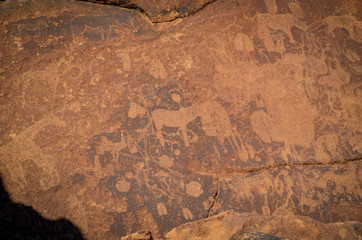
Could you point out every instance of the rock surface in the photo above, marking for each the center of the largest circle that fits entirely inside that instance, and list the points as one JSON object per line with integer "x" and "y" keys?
{"x": 252, "y": 226}
{"x": 160, "y": 10}
{"x": 121, "y": 124}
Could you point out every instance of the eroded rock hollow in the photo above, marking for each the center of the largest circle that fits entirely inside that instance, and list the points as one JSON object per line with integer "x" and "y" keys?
{"x": 227, "y": 119}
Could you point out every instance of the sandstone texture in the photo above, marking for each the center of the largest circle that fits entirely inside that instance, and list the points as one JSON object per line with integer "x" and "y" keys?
{"x": 159, "y": 11}
{"x": 239, "y": 226}
{"x": 154, "y": 116}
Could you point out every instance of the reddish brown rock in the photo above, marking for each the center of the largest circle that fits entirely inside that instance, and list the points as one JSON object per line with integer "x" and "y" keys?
{"x": 235, "y": 226}
{"x": 160, "y": 10}
{"x": 119, "y": 124}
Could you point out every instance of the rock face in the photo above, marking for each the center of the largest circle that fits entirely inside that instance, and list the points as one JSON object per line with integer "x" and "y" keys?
{"x": 159, "y": 10}
{"x": 122, "y": 120}
{"x": 251, "y": 226}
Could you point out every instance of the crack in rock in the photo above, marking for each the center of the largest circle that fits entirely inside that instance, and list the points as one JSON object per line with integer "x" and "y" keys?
{"x": 265, "y": 168}
{"x": 253, "y": 169}
{"x": 187, "y": 14}
{"x": 120, "y": 3}
{"x": 133, "y": 6}
{"x": 261, "y": 169}
{"x": 214, "y": 198}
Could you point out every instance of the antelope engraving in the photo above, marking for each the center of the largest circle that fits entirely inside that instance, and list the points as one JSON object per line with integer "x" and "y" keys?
{"x": 170, "y": 118}
{"x": 113, "y": 147}
{"x": 214, "y": 118}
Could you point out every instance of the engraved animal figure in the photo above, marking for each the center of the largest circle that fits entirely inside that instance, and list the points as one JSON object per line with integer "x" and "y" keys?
{"x": 170, "y": 118}
{"x": 23, "y": 150}
{"x": 113, "y": 147}
{"x": 215, "y": 121}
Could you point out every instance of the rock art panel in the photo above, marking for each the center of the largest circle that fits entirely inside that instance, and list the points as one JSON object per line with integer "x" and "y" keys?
{"x": 130, "y": 125}
{"x": 307, "y": 191}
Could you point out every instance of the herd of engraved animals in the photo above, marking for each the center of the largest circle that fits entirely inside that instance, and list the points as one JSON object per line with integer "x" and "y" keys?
{"x": 149, "y": 142}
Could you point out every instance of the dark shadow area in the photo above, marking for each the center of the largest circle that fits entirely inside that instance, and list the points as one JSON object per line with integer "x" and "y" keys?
{"x": 119, "y": 3}
{"x": 18, "y": 221}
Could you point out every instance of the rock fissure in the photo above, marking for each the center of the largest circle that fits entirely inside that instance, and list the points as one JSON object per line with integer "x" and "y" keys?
{"x": 187, "y": 15}
{"x": 120, "y": 3}
{"x": 265, "y": 168}
{"x": 214, "y": 197}
{"x": 129, "y": 5}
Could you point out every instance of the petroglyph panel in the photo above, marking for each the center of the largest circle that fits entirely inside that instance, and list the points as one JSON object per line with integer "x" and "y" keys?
{"x": 323, "y": 193}
{"x": 129, "y": 125}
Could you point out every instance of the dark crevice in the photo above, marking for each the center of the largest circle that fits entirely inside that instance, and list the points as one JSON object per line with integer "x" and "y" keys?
{"x": 126, "y": 4}
{"x": 120, "y": 3}
{"x": 187, "y": 14}
{"x": 265, "y": 168}
{"x": 137, "y": 8}
{"x": 213, "y": 198}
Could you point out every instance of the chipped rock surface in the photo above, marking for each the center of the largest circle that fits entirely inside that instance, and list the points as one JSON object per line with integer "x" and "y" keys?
{"x": 150, "y": 115}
